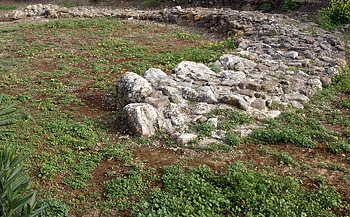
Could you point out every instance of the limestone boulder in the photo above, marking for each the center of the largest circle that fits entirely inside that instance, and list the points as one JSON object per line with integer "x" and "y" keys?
{"x": 143, "y": 119}
{"x": 155, "y": 76}
{"x": 190, "y": 71}
{"x": 237, "y": 63}
{"x": 186, "y": 138}
{"x": 17, "y": 14}
{"x": 132, "y": 88}
{"x": 234, "y": 100}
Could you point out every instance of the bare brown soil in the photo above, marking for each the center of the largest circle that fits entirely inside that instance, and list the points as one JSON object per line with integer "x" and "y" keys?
{"x": 98, "y": 104}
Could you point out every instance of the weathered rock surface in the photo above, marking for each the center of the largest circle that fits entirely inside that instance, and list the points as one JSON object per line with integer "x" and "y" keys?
{"x": 132, "y": 88}
{"x": 143, "y": 119}
{"x": 278, "y": 60}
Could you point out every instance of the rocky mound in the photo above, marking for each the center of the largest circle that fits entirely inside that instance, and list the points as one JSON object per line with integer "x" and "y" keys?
{"x": 279, "y": 60}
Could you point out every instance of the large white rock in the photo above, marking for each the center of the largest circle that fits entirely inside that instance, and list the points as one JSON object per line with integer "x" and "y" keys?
{"x": 186, "y": 138}
{"x": 187, "y": 71}
{"x": 143, "y": 119}
{"x": 132, "y": 88}
{"x": 298, "y": 97}
{"x": 17, "y": 14}
{"x": 232, "y": 62}
{"x": 155, "y": 76}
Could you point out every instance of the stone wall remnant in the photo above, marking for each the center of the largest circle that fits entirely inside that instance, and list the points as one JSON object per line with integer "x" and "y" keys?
{"x": 279, "y": 60}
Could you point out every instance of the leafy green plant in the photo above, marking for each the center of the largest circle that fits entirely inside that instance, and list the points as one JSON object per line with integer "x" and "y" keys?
{"x": 16, "y": 199}
{"x": 285, "y": 158}
{"x": 345, "y": 103}
{"x": 69, "y": 4}
{"x": 320, "y": 180}
{"x": 4, "y": 7}
{"x": 5, "y": 111}
{"x": 289, "y": 5}
{"x": 204, "y": 129}
{"x": 341, "y": 81}
{"x": 281, "y": 136}
{"x": 238, "y": 192}
{"x": 188, "y": 35}
{"x": 266, "y": 5}
{"x": 336, "y": 14}
{"x": 130, "y": 188}
{"x": 339, "y": 146}
{"x": 232, "y": 139}
{"x": 55, "y": 208}
{"x": 215, "y": 146}
{"x": 185, "y": 194}
{"x": 229, "y": 119}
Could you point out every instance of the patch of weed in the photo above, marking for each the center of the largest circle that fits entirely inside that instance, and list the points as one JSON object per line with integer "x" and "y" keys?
{"x": 4, "y": 7}
{"x": 187, "y": 35}
{"x": 285, "y": 158}
{"x": 335, "y": 15}
{"x": 217, "y": 146}
{"x": 281, "y": 136}
{"x": 81, "y": 171}
{"x": 129, "y": 188}
{"x": 55, "y": 208}
{"x": 69, "y": 4}
{"x": 204, "y": 129}
{"x": 239, "y": 191}
{"x": 341, "y": 81}
{"x": 189, "y": 193}
{"x": 344, "y": 103}
{"x": 266, "y": 5}
{"x": 232, "y": 139}
{"x": 289, "y": 5}
{"x": 229, "y": 119}
{"x": 339, "y": 146}
{"x": 332, "y": 166}
{"x": 117, "y": 152}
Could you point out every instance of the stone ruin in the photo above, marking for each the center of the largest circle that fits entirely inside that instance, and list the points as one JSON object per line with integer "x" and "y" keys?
{"x": 279, "y": 60}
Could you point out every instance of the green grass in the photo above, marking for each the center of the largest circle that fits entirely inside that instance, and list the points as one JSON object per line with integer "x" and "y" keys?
{"x": 230, "y": 119}
{"x": 70, "y": 4}
{"x": 7, "y": 8}
{"x": 239, "y": 191}
{"x": 62, "y": 76}
{"x": 313, "y": 125}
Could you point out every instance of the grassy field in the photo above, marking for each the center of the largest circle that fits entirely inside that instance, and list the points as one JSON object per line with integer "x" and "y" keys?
{"x": 84, "y": 161}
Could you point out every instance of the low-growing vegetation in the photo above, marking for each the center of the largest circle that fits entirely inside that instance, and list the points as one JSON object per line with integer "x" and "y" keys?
{"x": 335, "y": 15}
{"x": 83, "y": 160}
{"x": 7, "y": 8}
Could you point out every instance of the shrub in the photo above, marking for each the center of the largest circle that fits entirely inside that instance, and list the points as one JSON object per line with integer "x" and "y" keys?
{"x": 5, "y": 111}
{"x": 266, "y": 5}
{"x": 289, "y": 5}
{"x": 15, "y": 196}
{"x": 336, "y": 14}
